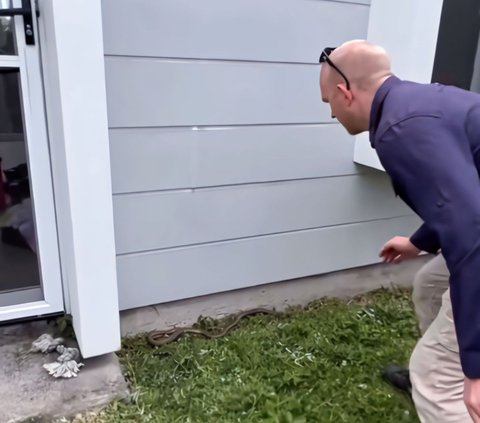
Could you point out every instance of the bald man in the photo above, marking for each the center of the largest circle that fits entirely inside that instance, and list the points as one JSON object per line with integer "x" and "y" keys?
{"x": 427, "y": 137}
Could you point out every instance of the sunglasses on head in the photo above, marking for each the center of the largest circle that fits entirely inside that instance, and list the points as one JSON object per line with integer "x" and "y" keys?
{"x": 324, "y": 57}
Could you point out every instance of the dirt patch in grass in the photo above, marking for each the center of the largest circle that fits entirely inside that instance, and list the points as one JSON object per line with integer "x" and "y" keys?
{"x": 319, "y": 364}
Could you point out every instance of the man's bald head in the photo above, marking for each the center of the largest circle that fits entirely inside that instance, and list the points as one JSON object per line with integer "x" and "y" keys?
{"x": 363, "y": 63}
{"x": 366, "y": 66}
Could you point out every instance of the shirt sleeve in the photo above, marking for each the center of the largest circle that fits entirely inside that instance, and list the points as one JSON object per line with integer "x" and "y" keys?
{"x": 425, "y": 239}
{"x": 432, "y": 166}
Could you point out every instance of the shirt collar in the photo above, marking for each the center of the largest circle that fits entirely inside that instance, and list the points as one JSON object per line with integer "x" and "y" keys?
{"x": 377, "y": 105}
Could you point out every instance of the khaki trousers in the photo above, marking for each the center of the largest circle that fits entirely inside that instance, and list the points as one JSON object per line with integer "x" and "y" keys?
{"x": 435, "y": 370}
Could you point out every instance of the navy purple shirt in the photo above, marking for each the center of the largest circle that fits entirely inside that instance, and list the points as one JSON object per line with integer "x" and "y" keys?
{"x": 427, "y": 137}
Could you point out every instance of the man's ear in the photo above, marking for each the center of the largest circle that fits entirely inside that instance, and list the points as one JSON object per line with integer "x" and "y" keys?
{"x": 347, "y": 94}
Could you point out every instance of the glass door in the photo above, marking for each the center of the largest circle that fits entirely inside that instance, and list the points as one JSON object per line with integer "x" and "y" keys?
{"x": 30, "y": 282}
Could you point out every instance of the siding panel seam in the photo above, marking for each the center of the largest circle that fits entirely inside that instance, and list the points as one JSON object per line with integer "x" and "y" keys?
{"x": 229, "y": 240}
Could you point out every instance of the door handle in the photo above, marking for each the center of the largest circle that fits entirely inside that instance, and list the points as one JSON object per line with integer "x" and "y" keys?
{"x": 27, "y": 13}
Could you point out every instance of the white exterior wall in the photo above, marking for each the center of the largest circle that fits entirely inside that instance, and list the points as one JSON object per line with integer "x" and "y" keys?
{"x": 409, "y": 33}
{"x": 227, "y": 169}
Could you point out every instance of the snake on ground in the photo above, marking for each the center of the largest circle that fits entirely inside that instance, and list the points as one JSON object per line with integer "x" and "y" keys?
{"x": 159, "y": 338}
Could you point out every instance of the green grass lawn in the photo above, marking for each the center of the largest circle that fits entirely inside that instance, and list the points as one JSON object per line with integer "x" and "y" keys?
{"x": 319, "y": 364}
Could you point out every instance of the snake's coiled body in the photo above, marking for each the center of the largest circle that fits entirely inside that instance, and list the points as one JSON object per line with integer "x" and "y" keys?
{"x": 162, "y": 337}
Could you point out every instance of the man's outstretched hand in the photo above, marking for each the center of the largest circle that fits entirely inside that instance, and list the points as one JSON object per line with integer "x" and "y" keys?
{"x": 398, "y": 249}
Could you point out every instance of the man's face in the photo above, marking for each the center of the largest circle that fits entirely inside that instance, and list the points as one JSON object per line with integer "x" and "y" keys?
{"x": 340, "y": 100}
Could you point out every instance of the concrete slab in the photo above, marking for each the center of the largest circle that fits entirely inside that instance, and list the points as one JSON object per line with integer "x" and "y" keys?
{"x": 29, "y": 394}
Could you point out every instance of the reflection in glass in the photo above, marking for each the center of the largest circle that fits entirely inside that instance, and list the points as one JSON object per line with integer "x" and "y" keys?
{"x": 10, "y": 110}
{"x": 7, "y": 43}
{"x": 18, "y": 262}
{"x": 7, "y": 38}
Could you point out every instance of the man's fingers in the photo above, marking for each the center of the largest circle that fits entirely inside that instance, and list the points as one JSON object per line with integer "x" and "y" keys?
{"x": 388, "y": 257}
{"x": 391, "y": 256}
{"x": 387, "y": 252}
{"x": 387, "y": 246}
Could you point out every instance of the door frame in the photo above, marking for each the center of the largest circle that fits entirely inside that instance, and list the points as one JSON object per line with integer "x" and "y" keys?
{"x": 73, "y": 65}
{"x": 27, "y": 61}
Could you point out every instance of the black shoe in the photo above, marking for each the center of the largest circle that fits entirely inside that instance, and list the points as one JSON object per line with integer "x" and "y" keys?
{"x": 398, "y": 377}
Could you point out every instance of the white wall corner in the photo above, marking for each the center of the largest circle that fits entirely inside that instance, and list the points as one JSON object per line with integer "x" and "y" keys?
{"x": 363, "y": 152}
{"x": 408, "y": 30}
{"x": 73, "y": 63}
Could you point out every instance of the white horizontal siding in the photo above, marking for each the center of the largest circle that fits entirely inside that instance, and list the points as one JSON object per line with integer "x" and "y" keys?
{"x": 226, "y": 167}
{"x": 157, "y": 220}
{"x": 150, "y": 159}
{"x": 265, "y": 30}
{"x": 154, "y": 92}
{"x": 169, "y": 275}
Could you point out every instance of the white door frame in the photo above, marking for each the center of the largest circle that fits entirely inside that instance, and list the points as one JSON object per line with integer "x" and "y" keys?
{"x": 71, "y": 38}
{"x": 36, "y": 145}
